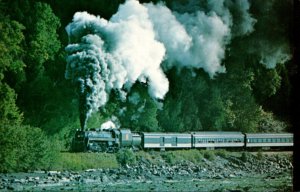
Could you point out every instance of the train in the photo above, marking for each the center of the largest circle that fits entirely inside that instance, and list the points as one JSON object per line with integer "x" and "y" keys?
{"x": 113, "y": 139}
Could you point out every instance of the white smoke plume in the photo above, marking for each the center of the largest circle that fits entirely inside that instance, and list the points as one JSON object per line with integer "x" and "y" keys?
{"x": 107, "y": 125}
{"x": 272, "y": 44}
{"x": 135, "y": 98}
{"x": 141, "y": 41}
{"x": 273, "y": 55}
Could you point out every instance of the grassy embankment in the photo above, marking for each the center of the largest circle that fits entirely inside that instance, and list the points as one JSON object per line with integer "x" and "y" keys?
{"x": 82, "y": 161}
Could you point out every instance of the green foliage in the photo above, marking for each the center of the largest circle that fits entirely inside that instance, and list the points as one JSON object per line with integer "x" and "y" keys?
{"x": 184, "y": 102}
{"x": 11, "y": 51}
{"x": 225, "y": 103}
{"x": 148, "y": 120}
{"x": 243, "y": 113}
{"x": 84, "y": 161}
{"x": 45, "y": 98}
{"x": 215, "y": 113}
{"x": 9, "y": 112}
{"x": 126, "y": 157}
{"x": 171, "y": 121}
{"x": 43, "y": 39}
{"x": 24, "y": 148}
{"x": 42, "y": 46}
{"x": 209, "y": 154}
{"x": 259, "y": 155}
{"x": 222, "y": 153}
{"x": 195, "y": 156}
{"x": 245, "y": 156}
{"x": 140, "y": 111}
{"x": 268, "y": 123}
{"x": 172, "y": 157}
{"x": 192, "y": 155}
{"x": 95, "y": 120}
{"x": 266, "y": 83}
{"x": 169, "y": 157}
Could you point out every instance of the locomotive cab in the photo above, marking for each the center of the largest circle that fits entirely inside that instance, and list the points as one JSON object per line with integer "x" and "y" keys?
{"x": 129, "y": 139}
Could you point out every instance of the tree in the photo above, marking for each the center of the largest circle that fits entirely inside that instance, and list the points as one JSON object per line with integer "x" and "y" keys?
{"x": 24, "y": 148}
{"x": 43, "y": 43}
{"x": 214, "y": 111}
{"x": 139, "y": 112}
{"x": 9, "y": 112}
{"x": 185, "y": 102}
{"x": 170, "y": 117}
{"x": 147, "y": 120}
{"x": 41, "y": 40}
{"x": 11, "y": 37}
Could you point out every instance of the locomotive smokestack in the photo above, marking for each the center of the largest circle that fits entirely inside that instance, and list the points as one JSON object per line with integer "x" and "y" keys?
{"x": 83, "y": 120}
{"x": 83, "y": 112}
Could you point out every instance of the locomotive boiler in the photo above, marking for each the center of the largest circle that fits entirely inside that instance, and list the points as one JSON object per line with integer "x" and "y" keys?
{"x": 108, "y": 140}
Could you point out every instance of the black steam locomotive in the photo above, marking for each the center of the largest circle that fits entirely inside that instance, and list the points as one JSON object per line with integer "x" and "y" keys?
{"x": 111, "y": 140}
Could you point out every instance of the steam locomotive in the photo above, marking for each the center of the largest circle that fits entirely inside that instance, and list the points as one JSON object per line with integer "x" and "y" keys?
{"x": 111, "y": 140}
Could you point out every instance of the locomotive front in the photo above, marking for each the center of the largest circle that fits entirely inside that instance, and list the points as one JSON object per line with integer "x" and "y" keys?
{"x": 108, "y": 140}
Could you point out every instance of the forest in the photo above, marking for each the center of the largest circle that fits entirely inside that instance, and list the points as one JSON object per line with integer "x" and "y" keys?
{"x": 250, "y": 90}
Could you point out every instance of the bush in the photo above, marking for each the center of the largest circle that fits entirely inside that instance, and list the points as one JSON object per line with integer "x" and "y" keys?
{"x": 210, "y": 155}
{"x": 24, "y": 148}
{"x": 269, "y": 124}
{"x": 245, "y": 156}
{"x": 222, "y": 153}
{"x": 126, "y": 156}
{"x": 169, "y": 157}
{"x": 259, "y": 155}
{"x": 194, "y": 156}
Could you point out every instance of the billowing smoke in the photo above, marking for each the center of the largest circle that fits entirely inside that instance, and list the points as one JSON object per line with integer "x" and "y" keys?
{"x": 273, "y": 55}
{"x": 88, "y": 69}
{"x": 106, "y": 55}
{"x": 142, "y": 41}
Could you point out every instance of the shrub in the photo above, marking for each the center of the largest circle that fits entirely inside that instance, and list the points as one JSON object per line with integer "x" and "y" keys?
{"x": 192, "y": 155}
{"x": 24, "y": 148}
{"x": 210, "y": 155}
{"x": 259, "y": 155}
{"x": 169, "y": 157}
{"x": 126, "y": 156}
{"x": 222, "y": 153}
{"x": 245, "y": 156}
{"x": 268, "y": 123}
{"x": 195, "y": 156}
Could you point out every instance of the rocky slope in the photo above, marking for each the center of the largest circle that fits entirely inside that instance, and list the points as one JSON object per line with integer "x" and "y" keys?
{"x": 147, "y": 173}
